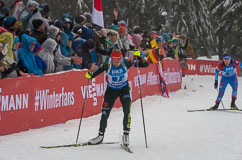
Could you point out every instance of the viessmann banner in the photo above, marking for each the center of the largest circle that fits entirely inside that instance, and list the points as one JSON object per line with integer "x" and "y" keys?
{"x": 34, "y": 102}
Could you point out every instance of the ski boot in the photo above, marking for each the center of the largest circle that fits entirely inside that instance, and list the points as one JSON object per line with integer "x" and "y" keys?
{"x": 233, "y": 105}
{"x": 125, "y": 138}
{"x": 97, "y": 140}
{"x": 215, "y": 107}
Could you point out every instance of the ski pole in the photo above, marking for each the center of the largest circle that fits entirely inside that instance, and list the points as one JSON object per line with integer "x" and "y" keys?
{"x": 140, "y": 95}
{"x": 221, "y": 100}
{"x": 82, "y": 111}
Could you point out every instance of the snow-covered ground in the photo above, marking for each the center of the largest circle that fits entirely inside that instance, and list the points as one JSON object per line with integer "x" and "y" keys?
{"x": 172, "y": 132}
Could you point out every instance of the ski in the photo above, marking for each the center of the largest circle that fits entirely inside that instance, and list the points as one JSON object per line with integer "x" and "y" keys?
{"x": 199, "y": 110}
{"x": 73, "y": 145}
{"x": 126, "y": 148}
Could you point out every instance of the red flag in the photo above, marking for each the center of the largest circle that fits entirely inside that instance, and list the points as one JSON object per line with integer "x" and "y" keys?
{"x": 164, "y": 89}
{"x": 97, "y": 13}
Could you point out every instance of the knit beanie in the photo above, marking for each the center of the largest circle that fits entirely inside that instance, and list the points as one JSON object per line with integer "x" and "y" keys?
{"x": 114, "y": 27}
{"x": 9, "y": 21}
{"x": 122, "y": 23}
{"x": 136, "y": 39}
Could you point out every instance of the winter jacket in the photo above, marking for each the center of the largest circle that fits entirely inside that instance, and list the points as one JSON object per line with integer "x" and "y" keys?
{"x": 84, "y": 32}
{"x": 126, "y": 42}
{"x": 77, "y": 44}
{"x": 47, "y": 55}
{"x": 40, "y": 63}
{"x": 63, "y": 46}
{"x": 86, "y": 56}
{"x": 27, "y": 57}
{"x": 7, "y": 38}
{"x": 40, "y": 36}
{"x": 65, "y": 50}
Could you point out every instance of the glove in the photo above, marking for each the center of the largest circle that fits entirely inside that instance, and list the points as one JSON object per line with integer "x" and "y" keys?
{"x": 88, "y": 75}
{"x": 136, "y": 53}
{"x": 216, "y": 84}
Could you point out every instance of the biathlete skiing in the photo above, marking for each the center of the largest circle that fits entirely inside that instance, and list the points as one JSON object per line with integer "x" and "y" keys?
{"x": 116, "y": 68}
{"x": 228, "y": 76}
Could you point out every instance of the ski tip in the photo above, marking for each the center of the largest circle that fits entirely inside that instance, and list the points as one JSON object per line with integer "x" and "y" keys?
{"x": 126, "y": 148}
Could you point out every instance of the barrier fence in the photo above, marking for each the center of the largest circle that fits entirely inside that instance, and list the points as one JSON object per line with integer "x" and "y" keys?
{"x": 203, "y": 67}
{"x": 38, "y": 101}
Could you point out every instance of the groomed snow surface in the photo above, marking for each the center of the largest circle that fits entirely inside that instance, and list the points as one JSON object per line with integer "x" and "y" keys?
{"x": 172, "y": 132}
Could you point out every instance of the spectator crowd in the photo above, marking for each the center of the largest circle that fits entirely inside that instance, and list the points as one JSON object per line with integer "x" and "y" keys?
{"x": 32, "y": 43}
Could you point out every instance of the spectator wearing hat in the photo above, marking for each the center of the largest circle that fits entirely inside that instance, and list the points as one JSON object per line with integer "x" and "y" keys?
{"x": 60, "y": 24}
{"x": 69, "y": 24}
{"x": 137, "y": 40}
{"x": 81, "y": 20}
{"x": 81, "y": 29}
{"x": 145, "y": 43}
{"x": 67, "y": 51}
{"x": 25, "y": 54}
{"x": 116, "y": 68}
{"x": 170, "y": 50}
{"x": 122, "y": 23}
{"x": 157, "y": 54}
{"x": 166, "y": 36}
{"x": 47, "y": 55}
{"x": 7, "y": 38}
{"x": 40, "y": 31}
{"x": 113, "y": 37}
{"x": 153, "y": 36}
{"x": 10, "y": 23}
{"x": 160, "y": 42}
{"x": 114, "y": 27}
{"x": 127, "y": 43}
